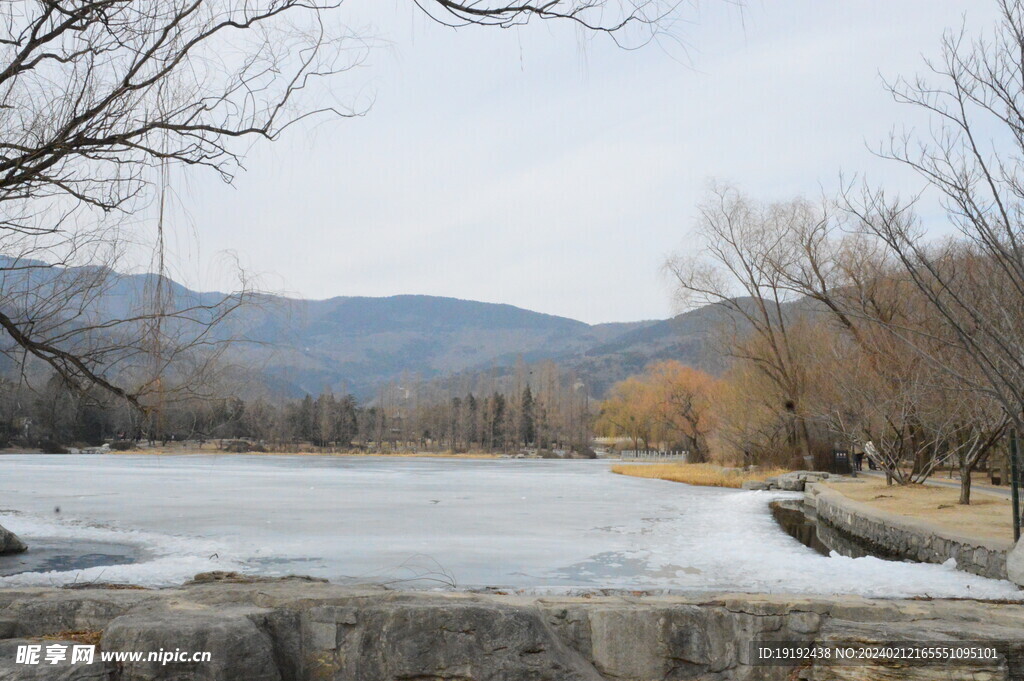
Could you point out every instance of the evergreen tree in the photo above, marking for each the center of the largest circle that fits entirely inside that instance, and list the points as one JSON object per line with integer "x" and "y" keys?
{"x": 346, "y": 423}
{"x": 527, "y": 426}
{"x": 305, "y": 419}
{"x": 473, "y": 435}
{"x": 496, "y": 425}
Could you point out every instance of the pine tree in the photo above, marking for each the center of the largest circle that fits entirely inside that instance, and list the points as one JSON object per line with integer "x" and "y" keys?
{"x": 527, "y": 426}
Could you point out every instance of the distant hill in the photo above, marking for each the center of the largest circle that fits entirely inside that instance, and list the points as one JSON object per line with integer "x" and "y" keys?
{"x": 355, "y": 344}
{"x": 683, "y": 337}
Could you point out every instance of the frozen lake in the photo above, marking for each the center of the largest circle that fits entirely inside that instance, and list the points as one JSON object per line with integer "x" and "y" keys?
{"x": 429, "y": 523}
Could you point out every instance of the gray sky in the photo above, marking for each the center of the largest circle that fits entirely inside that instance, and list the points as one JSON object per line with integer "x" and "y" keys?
{"x": 530, "y": 168}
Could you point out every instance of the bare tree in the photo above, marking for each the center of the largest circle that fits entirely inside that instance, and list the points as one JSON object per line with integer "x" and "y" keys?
{"x": 888, "y": 356}
{"x": 740, "y": 244}
{"x": 836, "y": 325}
{"x": 94, "y": 327}
{"x": 99, "y": 98}
{"x": 649, "y": 18}
{"x": 971, "y": 157}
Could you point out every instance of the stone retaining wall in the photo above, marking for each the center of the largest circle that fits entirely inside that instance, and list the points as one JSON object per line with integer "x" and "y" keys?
{"x": 794, "y": 481}
{"x": 303, "y": 630}
{"x": 901, "y": 537}
{"x": 1015, "y": 564}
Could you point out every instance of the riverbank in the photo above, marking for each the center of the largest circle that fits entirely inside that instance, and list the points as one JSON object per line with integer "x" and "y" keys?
{"x": 171, "y": 450}
{"x": 701, "y": 474}
{"x": 886, "y": 525}
{"x": 301, "y": 629}
{"x": 988, "y": 516}
{"x": 209, "y": 449}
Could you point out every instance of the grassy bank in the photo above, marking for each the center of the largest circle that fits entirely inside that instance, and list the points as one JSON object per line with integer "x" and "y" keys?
{"x": 704, "y": 474}
{"x": 987, "y": 516}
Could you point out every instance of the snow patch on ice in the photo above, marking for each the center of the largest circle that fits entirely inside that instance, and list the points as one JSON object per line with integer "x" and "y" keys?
{"x": 732, "y": 543}
{"x": 167, "y": 559}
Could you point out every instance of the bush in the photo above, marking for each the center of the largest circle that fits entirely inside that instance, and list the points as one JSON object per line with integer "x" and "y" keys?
{"x": 585, "y": 453}
{"x": 122, "y": 445}
{"x": 242, "y": 447}
{"x": 52, "y": 447}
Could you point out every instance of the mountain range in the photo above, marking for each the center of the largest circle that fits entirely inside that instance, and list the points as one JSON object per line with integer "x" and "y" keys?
{"x": 356, "y": 344}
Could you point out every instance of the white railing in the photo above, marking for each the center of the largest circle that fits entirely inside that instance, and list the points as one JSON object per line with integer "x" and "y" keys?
{"x": 653, "y": 455}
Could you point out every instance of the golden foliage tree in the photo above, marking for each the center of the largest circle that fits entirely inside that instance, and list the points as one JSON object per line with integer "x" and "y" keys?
{"x": 669, "y": 404}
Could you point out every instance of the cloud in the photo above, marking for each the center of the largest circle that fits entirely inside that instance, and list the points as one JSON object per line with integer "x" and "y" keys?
{"x": 531, "y": 168}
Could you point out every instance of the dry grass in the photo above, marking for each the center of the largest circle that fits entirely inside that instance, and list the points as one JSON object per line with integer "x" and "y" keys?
{"x": 704, "y": 474}
{"x": 988, "y": 515}
{"x": 110, "y": 586}
{"x": 84, "y": 636}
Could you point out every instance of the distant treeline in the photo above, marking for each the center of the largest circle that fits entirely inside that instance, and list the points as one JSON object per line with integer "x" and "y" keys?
{"x": 542, "y": 410}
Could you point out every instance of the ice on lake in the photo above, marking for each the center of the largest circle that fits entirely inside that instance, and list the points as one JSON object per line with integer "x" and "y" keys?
{"x": 431, "y": 523}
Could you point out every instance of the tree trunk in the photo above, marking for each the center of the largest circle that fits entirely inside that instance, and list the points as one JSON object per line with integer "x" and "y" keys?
{"x": 965, "y": 483}
{"x": 698, "y": 449}
{"x": 803, "y": 437}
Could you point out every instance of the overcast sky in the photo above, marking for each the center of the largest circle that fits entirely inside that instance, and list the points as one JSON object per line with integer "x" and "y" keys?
{"x": 530, "y": 168}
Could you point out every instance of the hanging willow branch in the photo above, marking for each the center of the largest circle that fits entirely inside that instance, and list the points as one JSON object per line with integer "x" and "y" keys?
{"x": 96, "y": 95}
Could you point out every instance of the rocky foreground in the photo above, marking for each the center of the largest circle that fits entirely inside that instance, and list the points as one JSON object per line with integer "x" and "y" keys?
{"x": 301, "y": 629}
{"x": 9, "y": 542}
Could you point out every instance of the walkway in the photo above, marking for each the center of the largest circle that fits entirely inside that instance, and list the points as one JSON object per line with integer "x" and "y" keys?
{"x": 945, "y": 482}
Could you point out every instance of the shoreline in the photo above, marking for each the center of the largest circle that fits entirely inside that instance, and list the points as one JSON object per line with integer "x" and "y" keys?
{"x": 351, "y": 455}
{"x": 987, "y": 519}
{"x": 911, "y": 537}
{"x": 191, "y": 451}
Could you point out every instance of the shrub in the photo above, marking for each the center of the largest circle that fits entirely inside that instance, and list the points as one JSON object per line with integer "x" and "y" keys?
{"x": 52, "y": 447}
{"x": 584, "y": 453}
{"x": 242, "y": 447}
{"x": 122, "y": 445}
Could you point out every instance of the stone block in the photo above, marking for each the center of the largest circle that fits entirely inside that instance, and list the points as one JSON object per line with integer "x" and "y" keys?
{"x": 240, "y": 650}
{"x": 790, "y": 484}
{"x": 1015, "y": 564}
{"x": 8, "y": 626}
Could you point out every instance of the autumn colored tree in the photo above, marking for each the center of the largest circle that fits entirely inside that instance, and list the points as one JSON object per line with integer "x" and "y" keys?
{"x": 669, "y": 403}
{"x": 628, "y": 412}
{"x": 680, "y": 399}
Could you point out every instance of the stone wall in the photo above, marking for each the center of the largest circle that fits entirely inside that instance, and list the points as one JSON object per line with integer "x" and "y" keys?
{"x": 794, "y": 481}
{"x": 304, "y": 630}
{"x": 1015, "y": 564}
{"x": 900, "y": 537}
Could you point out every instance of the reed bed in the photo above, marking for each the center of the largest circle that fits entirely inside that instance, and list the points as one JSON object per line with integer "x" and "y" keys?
{"x": 703, "y": 474}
